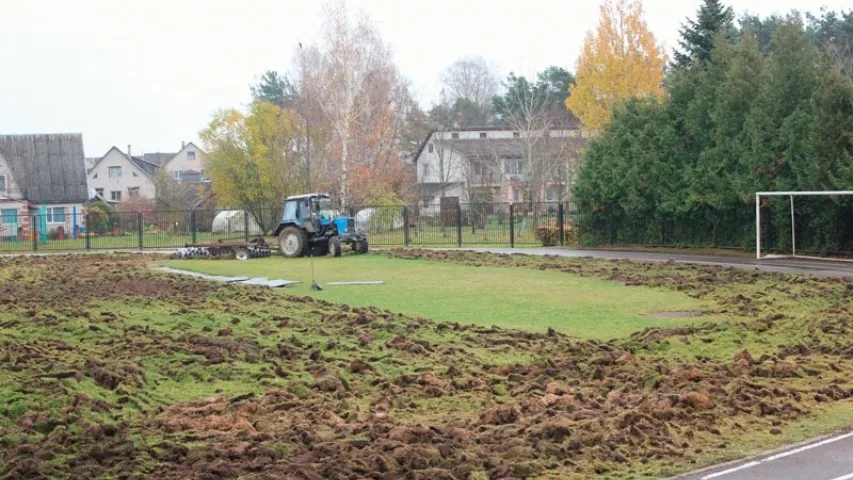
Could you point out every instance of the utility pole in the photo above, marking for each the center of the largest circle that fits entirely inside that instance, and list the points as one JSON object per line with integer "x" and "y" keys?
{"x": 305, "y": 119}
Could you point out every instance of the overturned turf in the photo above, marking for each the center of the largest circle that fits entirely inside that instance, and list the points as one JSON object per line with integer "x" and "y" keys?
{"x": 108, "y": 368}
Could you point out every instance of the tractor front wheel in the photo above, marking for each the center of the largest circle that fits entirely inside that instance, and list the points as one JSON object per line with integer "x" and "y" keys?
{"x": 291, "y": 242}
{"x": 336, "y": 246}
{"x": 361, "y": 247}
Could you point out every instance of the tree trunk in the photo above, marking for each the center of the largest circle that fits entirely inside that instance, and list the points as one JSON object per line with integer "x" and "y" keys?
{"x": 344, "y": 141}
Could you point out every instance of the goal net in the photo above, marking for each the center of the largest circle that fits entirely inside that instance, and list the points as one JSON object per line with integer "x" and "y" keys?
{"x": 804, "y": 224}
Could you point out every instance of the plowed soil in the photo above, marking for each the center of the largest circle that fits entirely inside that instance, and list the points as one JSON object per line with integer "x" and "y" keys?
{"x": 110, "y": 369}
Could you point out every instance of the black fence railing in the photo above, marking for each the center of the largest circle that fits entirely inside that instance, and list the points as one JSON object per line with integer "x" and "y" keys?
{"x": 447, "y": 225}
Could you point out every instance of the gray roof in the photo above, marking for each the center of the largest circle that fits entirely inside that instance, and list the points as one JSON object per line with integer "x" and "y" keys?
{"x": 158, "y": 159}
{"x": 491, "y": 148}
{"x": 47, "y": 168}
{"x": 147, "y": 167}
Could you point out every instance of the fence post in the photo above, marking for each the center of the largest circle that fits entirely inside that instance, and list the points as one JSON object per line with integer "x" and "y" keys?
{"x": 511, "y": 226}
{"x": 35, "y": 230}
{"x": 192, "y": 226}
{"x": 88, "y": 232}
{"x": 139, "y": 228}
{"x": 246, "y": 226}
{"x": 560, "y": 215}
{"x": 662, "y": 233}
{"x": 405, "y": 225}
{"x": 612, "y": 228}
{"x": 458, "y": 225}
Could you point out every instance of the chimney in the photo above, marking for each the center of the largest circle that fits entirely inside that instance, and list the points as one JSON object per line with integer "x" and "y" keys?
{"x": 128, "y": 151}
{"x": 183, "y": 144}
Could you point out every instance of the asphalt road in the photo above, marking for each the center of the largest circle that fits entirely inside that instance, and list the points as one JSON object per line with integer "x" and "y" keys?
{"x": 781, "y": 265}
{"x": 828, "y": 458}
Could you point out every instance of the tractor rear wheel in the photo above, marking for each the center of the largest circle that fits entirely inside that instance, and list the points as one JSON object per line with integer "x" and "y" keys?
{"x": 291, "y": 242}
{"x": 361, "y": 247}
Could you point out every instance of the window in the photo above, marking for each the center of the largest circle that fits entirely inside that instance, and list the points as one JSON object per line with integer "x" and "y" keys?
{"x": 115, "y": 172}
{"x": 483, "y": 135}
{"x": 134, "y": 174}
{"x": 454, "y": 135}
{"x": 516, "y": 135}
{"x": 2, "y": 183}
{"x": 115, "y": 195}
{"x": 176, "y": 174}
{"x": 191, "y": 155}
{"x": 431, "y": 148}
{"x": 9, "y": 216}
{"x": 426, "y": 172}
{"x": 513, "y": 167}
{"x": 516, "y": 195}
{"x": 480, "y": 169}
{"x": 99, "y": 192}
{"x": 132, "y": 192}
{"x": 56, "y": 215}
{"x": 427, "y": 201}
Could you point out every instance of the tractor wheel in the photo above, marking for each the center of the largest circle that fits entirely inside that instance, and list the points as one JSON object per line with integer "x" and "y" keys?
{"x": 291, "y": 242}
{"x": 361, "y": 247}
{"x": 336, "y": 246}
{"x": 320, "y": 249}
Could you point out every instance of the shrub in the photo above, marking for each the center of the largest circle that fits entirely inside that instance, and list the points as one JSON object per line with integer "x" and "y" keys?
{"x": 100, "y": 218}
{"x": 549, "y": 234}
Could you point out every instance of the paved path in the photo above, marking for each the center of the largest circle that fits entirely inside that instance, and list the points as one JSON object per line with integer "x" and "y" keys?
{"x": 823, "y": 459}
{"x": 781, "y": 265}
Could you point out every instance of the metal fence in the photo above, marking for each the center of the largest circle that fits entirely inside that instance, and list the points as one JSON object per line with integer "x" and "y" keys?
{"x": 498, "y": 224}
{"x": 449, "y": 225}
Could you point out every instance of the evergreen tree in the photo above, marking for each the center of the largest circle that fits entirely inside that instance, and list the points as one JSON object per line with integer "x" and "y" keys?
{"x": 697, "y": 36}
{"x": 275, "y": 89}
{"x": 776, "y": 121}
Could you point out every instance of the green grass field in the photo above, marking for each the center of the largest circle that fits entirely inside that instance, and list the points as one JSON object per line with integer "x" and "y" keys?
{"x": 506, "y": 297}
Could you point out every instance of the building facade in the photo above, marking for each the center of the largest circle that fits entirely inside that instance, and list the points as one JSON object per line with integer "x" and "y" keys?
{"x": 119, "y": 176}
{"x": 42, "y": 179}
{"x": 497, "y": 165}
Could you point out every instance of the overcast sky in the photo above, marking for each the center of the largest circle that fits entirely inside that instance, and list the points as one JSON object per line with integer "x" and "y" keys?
{"x": 150, "y": 73}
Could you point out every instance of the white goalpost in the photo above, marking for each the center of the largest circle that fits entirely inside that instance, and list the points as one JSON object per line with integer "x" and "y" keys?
{"x": 791, "y": 195}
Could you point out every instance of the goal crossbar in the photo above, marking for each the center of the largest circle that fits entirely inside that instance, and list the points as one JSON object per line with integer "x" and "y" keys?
{"x": 758, "y": 196}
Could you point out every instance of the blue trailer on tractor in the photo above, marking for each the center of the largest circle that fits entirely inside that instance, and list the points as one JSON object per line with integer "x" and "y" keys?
{"x": 310, "y": 227}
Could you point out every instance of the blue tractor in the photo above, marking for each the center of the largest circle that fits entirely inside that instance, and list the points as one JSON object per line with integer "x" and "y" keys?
{"x": 309, "y": 227}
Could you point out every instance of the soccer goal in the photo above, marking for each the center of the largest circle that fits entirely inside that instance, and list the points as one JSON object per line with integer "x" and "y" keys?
{"x": 793, "y": 226}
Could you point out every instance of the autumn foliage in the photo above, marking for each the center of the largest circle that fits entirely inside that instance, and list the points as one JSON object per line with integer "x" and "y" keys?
{"x": 620, "y": 60}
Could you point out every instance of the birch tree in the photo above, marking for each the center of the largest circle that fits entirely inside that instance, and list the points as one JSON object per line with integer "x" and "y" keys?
{"x": 338, "y": 72}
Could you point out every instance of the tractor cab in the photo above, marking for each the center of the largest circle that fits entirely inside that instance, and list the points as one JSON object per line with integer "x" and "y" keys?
{"x": 309, "y": 226}
{"x": 313, "y": 212}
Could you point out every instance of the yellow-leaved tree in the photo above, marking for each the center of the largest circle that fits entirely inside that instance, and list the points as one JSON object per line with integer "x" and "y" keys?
{"x": 251, "y": 161}
{"x": 620, "y": 60}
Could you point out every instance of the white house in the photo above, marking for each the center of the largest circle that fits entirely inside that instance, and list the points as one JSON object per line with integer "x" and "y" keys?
{"x": 41, "y": 173}
{"x": 120, "y": 176}
{"x": 497, "y": 164}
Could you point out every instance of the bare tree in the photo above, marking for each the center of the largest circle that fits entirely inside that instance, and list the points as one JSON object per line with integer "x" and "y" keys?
{"x": 350, "y": 76}
{"x": 470, "y": 78}
{"x": 338, "y": 71}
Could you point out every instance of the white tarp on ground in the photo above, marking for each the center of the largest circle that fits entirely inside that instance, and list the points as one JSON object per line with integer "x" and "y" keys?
{"x": 369, "y": 220}
{"x": 232, "y": 221}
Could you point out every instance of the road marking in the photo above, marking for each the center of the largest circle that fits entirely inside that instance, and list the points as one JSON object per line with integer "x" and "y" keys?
{"x": 731, "y": 470}
{"x": 845, "y": 477}
{"x": 782, "y": 455}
